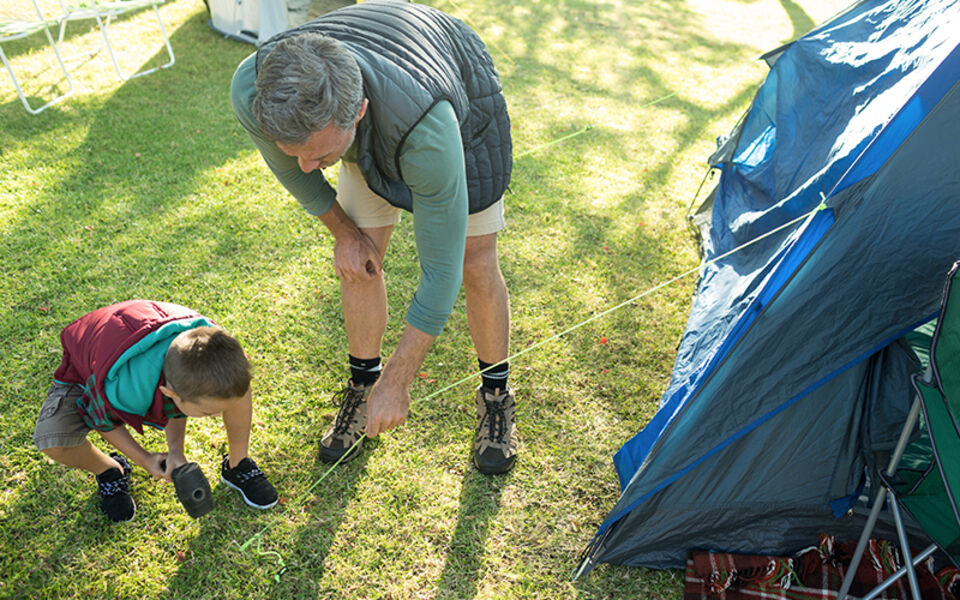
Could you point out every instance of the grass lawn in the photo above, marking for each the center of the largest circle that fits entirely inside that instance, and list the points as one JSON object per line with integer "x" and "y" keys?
{"x": 150, "y": 189}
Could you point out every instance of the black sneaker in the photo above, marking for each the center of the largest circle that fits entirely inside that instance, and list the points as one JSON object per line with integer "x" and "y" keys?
{"x": 495, "y": 442}
{"x": 349, "y": 425}
{"x": 114, "y": 488}
{"x": 250, "y": 481}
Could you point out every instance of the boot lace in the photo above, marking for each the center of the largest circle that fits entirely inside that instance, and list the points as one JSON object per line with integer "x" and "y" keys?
{"x": 349, "y": 400}
{"x": 496, "y": 420}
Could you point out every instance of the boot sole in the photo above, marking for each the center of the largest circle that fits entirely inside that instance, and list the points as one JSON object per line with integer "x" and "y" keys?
{"x": 495, "y": 469}
{"x": 328, "y": 455}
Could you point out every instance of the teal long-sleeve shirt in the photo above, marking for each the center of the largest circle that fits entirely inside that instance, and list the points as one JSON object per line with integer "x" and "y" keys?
{"x": 431, "y": 161}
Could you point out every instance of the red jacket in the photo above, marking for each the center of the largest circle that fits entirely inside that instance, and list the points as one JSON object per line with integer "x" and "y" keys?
{"x": 94, "y": 342}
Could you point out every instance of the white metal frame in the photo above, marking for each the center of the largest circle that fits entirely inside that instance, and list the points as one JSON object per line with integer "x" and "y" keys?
{"x": 14, "y": 29}
{"x": 103, "y": 12}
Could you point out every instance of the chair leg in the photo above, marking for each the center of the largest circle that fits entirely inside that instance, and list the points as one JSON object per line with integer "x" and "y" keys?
{"x": 104, "y": 25}
{"x": 919, "y": 558}
{"x": 16, "y": 84}
{"x": 862, "y": 544}
{"x": 79, "y": 55}
{"x": 905, "y": 549}
{"x": 911, "y": 421}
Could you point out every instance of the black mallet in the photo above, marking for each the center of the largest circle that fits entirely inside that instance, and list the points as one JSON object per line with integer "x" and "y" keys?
{"x": 193, "y": 489}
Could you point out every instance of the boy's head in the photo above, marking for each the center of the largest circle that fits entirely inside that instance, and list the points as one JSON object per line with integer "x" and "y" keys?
{"x": 205, "y": 370}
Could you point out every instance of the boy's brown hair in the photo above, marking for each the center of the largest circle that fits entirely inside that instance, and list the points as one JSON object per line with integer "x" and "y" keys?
{"x": 206, "y": 362}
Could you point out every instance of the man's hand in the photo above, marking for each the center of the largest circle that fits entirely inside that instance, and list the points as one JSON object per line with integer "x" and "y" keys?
{"x": 389, "y": 400}
{"x": 387, "y": 407}
{"x": 355, "y": 257}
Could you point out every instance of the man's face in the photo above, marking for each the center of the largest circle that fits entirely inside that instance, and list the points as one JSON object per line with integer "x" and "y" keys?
{"x": 325, "y": 147}
{"x": 322, "y": 149}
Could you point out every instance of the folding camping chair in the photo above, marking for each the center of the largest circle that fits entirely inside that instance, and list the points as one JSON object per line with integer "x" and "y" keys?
{"x": 923, "y": 476}
{"x": 21, "y": 26}
{"x": 103, "y": 11}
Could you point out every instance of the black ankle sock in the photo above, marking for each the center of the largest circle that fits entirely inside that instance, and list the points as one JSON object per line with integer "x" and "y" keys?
{"x": 364, "y": 371}
{"x": 496, "y": 377}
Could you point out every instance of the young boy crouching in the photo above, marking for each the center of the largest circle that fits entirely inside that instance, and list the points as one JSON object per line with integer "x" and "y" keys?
{"x": 155, "y": 363}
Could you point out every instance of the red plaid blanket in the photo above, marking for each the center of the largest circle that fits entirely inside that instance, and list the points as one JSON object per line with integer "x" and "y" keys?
{"x": 812, "y": 574}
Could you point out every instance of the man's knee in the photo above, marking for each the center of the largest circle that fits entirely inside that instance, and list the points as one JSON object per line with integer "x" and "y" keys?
{"x": 362, "y": 287}
{"x": 480, "y": 258}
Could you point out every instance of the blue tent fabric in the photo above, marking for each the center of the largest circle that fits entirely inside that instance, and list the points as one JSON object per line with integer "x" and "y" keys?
{"x": 792, "y": 371}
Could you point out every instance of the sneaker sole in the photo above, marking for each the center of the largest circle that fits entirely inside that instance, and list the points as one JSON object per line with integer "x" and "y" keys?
{"x": 247, "y": 500}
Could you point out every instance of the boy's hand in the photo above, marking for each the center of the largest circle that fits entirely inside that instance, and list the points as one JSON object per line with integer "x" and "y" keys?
{"x": 172, "y": 462}
{"x": 153, "y": 463}
{"x": 175, "y": 433}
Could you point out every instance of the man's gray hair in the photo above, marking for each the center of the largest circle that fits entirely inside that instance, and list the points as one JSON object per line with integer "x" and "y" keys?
{"x": 307, "y": 82}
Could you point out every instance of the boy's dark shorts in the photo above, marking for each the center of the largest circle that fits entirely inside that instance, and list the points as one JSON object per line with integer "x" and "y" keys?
{"x": 59, "y": 423}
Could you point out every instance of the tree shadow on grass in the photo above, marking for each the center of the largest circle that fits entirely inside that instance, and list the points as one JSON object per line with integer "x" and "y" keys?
{"x": 248, "y": 546}
{"x": 479, "y": 506}
{"x": 125, "y": 212}
{"x": 139, "y": 161}
{"x": 801, "y": 21}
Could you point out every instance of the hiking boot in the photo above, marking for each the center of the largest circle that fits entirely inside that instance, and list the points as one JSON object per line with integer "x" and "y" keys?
{"x": 250, "y": 481}
{"x": 495, "y": 442}
{"x": 114, "y": 488}
{"x": 348, "y": 427}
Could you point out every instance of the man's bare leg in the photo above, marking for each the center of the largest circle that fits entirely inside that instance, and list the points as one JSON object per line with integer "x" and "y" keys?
{"x": 488, "y": 317}
{"x": 364, "y": 304}
{"x": 488, "y": 304}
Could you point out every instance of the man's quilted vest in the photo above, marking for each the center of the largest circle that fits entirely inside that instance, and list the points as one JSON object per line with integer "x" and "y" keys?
{"x": 411, "y": 57}
{"x": 95, "y": 341}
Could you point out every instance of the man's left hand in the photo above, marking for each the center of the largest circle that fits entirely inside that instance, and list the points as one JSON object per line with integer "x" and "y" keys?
{"x": 387, "y": 407}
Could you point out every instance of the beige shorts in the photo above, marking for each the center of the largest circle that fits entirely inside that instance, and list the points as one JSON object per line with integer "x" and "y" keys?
{"x": 367, "y": 210}
{"x": 60, "y": 424}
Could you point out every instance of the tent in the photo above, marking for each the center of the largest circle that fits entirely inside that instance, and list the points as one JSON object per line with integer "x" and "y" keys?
{"x": 250, "y": 21}
{"x": 256, "y": 21}
{"x": 791, "y": 379}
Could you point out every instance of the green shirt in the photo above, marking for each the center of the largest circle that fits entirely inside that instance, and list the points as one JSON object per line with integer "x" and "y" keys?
{"x": 432, "y": 163}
